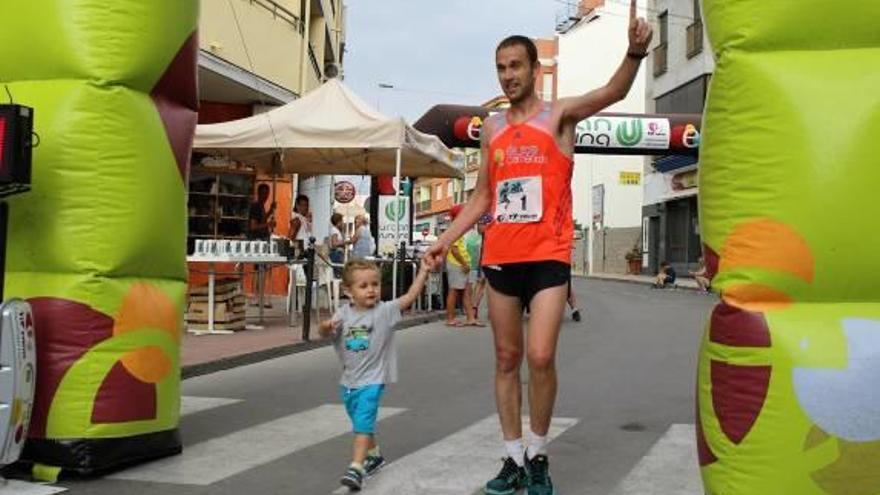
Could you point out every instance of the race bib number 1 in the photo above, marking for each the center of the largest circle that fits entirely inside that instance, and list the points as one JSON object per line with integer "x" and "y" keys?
{"x": 519, "y": 200}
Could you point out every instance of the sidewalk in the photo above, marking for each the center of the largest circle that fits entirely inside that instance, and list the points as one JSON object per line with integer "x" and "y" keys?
{"x": 681, "y": 283}
{"x": 203, "y": 354}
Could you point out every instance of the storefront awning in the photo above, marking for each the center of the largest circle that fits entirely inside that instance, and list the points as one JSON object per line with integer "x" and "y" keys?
{"x": 674, "y": 162}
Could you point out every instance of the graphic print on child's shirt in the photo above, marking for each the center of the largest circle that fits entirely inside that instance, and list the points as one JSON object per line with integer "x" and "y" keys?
{"x": 357, "y": 338}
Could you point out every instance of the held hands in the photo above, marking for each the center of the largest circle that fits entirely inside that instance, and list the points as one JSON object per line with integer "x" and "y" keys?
{"x": 435, "y": 255}
{"x": 640, "y": 33}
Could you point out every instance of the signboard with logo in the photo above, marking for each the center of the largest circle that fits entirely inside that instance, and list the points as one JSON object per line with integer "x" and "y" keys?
{"x": 391, "y": 211}
{"x": 344, "y": 192}
{"x": 630, "y": 178}
{"x": 624, "y": 132}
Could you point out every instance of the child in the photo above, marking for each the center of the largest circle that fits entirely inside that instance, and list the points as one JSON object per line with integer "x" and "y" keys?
{"x": 362, "y": 334}
{"x": 666, "y": 277}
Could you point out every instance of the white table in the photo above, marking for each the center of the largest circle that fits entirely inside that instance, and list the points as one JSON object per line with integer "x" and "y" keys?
{"x": 211, "y": 260}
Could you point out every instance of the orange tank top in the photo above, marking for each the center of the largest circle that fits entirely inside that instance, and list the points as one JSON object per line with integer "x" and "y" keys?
{"x": 530, "y": 183}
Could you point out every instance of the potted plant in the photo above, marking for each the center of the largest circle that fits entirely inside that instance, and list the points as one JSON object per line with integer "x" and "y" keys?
{"x": 634, "y": 261}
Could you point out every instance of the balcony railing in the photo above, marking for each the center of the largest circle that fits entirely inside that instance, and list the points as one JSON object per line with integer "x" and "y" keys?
{"x": 282, "y": 13}
{"x": 314, "y": 60}
{"x": 423, "y": 206}
{"x": 694, "y": 39}
{"x": 660, "y": 59}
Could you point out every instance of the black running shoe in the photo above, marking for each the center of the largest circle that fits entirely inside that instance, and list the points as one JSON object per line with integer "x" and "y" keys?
{"x": 353, "y": 479}
{"x": 576, "y": 315}
{"x": 538, "y": 476}
{"x": 510, "y": 479}
{"x": 373, "y": 463}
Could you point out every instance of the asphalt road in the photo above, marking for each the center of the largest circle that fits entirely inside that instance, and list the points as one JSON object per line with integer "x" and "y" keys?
{"x": 626, "y": 378}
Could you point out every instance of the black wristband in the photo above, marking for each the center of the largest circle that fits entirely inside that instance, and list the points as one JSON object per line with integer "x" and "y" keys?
{"x": 637, "y": 56}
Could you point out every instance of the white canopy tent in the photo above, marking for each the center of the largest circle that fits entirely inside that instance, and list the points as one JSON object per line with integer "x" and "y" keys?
{"x": 331, "y": 131}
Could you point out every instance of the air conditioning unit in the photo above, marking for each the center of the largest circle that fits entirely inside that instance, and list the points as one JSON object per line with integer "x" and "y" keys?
{"x": 18, "y": 374}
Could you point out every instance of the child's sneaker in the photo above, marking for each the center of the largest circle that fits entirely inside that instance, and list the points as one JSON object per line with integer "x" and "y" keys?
{"x": 510, "y": 479}
{"x": 372, "y": 464}
{"x": 353, "y": 479}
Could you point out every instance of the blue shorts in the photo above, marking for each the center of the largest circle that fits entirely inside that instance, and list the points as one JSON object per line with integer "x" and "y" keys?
{"x": 362, "y": 406}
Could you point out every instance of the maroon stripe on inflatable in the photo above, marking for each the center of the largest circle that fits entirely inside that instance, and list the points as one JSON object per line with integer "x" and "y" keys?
{"x": 738, "y": 394}
{"x": 65, "y": 331}
{"x": 712, "y": 260}
{"x": 176, "y": 98}
{"x": 123, "y": 398}
{"x": 704, "y": 453}
{"x": 738, "y": 327}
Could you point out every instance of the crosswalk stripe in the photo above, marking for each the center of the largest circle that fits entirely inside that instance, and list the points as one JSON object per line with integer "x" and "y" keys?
{"x": 458, "y": 464}
{"x": 188, "y": 405}
{"x": 219, "y": 458}
{"x": 192, "y": 405}
{"x": 15, "y": 487}
{"x": 670, "y": 467}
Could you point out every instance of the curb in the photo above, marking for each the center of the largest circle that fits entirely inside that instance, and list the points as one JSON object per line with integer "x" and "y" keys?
{"x": 226, "y": 363}
{"x": 638, "y": 282}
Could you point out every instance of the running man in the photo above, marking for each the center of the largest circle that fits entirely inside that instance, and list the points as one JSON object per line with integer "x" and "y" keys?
{"x": 527, "y": 255}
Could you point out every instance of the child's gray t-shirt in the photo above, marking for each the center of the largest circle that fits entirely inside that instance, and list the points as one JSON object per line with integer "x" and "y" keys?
{"x": 365, "y": 344}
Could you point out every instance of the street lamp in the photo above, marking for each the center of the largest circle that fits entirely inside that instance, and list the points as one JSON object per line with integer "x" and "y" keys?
{"x": 379, "y": 93}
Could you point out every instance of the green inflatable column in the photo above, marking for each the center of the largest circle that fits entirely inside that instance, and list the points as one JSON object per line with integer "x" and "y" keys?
{"x": 790, "y": 363}
{"x": 98, "y": 246}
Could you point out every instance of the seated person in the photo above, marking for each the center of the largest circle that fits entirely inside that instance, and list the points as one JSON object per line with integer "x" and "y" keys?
{"x": 701, "y": 276}
{"x": 666, "y": 276}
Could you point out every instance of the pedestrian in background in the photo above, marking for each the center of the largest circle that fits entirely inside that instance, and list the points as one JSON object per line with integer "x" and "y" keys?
{"x": 301, "y": 223}
{"x": 474, "y": 244}
{"x": 261, "y": 224}
{"x": 701, "y": 276}
{"x": 363, "y": 244}
{"x": 336, "y": 244}
{"x": 458, "y": 269}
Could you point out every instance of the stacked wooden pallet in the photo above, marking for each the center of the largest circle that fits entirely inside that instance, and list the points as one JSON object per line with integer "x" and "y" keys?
{"x": 229, "y": 306}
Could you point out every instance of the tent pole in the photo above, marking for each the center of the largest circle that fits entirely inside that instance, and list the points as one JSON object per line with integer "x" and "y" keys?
{"x": 396, "y": 226}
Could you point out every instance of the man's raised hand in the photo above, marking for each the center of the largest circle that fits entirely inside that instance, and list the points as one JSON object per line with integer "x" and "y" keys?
{"x": 640, "y": 32}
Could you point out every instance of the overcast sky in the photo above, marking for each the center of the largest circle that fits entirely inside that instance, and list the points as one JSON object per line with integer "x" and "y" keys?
{"x": 435, "y": 52}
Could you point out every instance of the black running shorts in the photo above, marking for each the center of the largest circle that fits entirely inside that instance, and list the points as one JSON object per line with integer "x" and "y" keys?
{"x": 524, "y": 280}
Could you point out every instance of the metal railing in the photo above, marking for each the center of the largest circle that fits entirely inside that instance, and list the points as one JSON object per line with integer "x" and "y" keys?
{"x": 314, "y": 60}
{"x": 694, "y": 39}
{"x": 281, "y": 12}
{"x": 660, "y": 59}
{"x": 423, "y": 206}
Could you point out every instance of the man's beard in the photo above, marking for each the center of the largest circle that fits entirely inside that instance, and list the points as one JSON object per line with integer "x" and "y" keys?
{"x": 522, "y": 96}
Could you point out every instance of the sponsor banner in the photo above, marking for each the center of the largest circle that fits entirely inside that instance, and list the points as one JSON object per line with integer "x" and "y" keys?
{"x": 393, "y": 209}
{"x": 605, "y": 133}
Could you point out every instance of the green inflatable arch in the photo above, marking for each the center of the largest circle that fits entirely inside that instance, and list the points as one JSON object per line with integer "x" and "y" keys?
{"x": 97, "y": 246}
{"x": 789, "y": 402}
